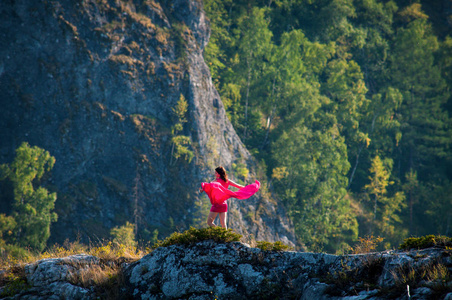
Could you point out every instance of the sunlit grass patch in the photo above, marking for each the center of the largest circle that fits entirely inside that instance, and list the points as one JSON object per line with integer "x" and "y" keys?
{"x": 193, "y": 235}
{"x": 276, "y": 246}
{"x": 106, "y": 250}
{"x": 112, "y": 251}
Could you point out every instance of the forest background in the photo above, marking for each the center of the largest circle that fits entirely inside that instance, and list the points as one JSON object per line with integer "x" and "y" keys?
{"x": 346, "y": 105}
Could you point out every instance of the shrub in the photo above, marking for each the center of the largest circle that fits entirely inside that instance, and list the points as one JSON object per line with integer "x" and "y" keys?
{"x": 32, "y": 208}
{"x": 426, "y": 242}
{"x": 193, "y": 235}
{"x": 366, "y": 245}
{"x": 276, "y": 246}
{"x": 124, "y": 235}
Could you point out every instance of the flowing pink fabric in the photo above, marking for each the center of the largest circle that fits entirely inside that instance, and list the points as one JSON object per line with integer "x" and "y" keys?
{"x": 218, "y": 193}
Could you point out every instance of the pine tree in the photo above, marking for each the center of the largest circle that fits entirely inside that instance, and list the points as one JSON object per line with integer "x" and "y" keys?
{"x": 411, "y": 189}
{"x": 385, "y": 208}
{"x": 425, "y": 136}
{"x": 380, "y": 133}
{"x": 254, "y": 44}
{"x": 436, "y": 213}
{"x": 311, "y": 178}
{"x": 215, "y": 51}
{"x": 124, "y": 235}
{"x": 346, "y": 88}
{"x": 32, "y": 208}
{"x": 180, "y": 143}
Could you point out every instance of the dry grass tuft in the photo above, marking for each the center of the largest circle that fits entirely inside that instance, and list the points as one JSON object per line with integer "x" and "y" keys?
{"x": 434, "y": 275}
{"x": 105, "y": 278}
{"x": 114, "y": 251}
{"x": 93, "y": 275}
{"x": 107, "y": 251}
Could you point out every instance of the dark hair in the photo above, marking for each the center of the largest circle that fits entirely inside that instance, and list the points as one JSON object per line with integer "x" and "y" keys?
{"x": 222, "y": 172}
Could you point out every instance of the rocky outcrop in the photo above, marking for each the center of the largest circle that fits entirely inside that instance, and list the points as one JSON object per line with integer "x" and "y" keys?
{"x": 209, "y": 270}
{"x": 95, "y": 84}
{"x": 55, "y": 278}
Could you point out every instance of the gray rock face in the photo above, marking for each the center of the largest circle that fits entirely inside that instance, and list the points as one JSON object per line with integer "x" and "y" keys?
{"x": 56, "y": 278}
{"x": 95, "y": 84}
{"x": 48, "y": 271}
{"x": 209, "y": 270}
{"x": 235, "y": 271}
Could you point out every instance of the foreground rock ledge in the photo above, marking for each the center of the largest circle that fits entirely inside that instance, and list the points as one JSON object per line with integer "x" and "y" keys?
{"x": 209, "y": 270}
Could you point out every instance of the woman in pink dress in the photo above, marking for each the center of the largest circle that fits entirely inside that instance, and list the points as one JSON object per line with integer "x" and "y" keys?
{"x": 219, "y": 193}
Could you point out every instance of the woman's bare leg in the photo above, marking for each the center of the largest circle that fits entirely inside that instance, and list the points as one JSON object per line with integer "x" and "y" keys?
{"x": 211, "y": 218}
{"x": 223, "y": 219}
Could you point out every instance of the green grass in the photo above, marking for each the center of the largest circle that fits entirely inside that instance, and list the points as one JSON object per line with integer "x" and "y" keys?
{"x": 13, "y": 281}
{"x": 193, "y": 235}
{"x": 276, "y": 246}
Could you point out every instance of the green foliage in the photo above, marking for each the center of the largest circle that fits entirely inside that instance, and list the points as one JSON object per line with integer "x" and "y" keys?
{"x": 11, "y": 255}
{"x": 181, "y": 149}
{"x": 154, "y": 238}
{"x": 32, "y": 208}
{"x": 437, "y": 212}
{"x": 240, "y": 172}
{"x": 13, "y": 281}
{"x": 386, "y": 208}
{"x": 180, "y": 143}
{"x": 124, "y": 235}
{"x": 276, "y": 246}
{"x": 366, "y": 245}
{"x": 419, "y": 80}
{"x": 193, "y": 235}
{"x": 426, "y": 242}
{"x": 7, "y": 225}
{"x": 214, "y": 54}
{"x": 311, "y": 178}
{"x": 202, "y": 209}
{"x": 14, "y": 286}
{"x": 318, "y": 89}
{"x": 180, "y": 110}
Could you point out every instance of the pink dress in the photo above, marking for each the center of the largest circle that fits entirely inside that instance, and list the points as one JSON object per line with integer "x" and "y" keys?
{"x": 223, "y": 206}
{"x": 218, "y": 193}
